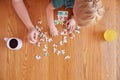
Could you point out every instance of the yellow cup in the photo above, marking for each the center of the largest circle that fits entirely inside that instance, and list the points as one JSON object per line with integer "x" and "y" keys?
{"x": 110, "y": 35}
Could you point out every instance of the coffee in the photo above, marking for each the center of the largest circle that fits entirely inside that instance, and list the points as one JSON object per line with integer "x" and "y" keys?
{"x": 13, "y": 43}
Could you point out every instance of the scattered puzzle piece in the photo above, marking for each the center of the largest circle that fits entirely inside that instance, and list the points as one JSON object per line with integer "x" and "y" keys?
{"x": 64, "y": 32}
{"x": 62, "y": 51}
{"x": 65, "y": 39}
{"x": 58, "y": 53}
{"x": 38, "y": 57}
{"x": 56, "y": 22}
{"x": 36, "y": 27}
{"x": 45, "y": 46}
{"x": 50, "y": 40}
{"x": 55, "y": 45}
{"x": 78, "y": 27}
{"x": 61, "y": 22}
{"x": 67, "y": 57}
{"x": 61, "y": 42}
{"x": 77, "y": 30}
{"x": 39, "y": 22}
{"x": 54, "y": 50}
{"x": 38, "y": 44}
{"x": 45, "y": 54}
{"x": 72, "y": 35}
{"x": 44, "y": 49}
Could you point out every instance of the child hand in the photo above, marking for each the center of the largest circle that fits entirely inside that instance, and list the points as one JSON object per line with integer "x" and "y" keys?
{"x": 53, "y": 31}
{"x": 33, "y": 35}
{"x": 71, "y": 25}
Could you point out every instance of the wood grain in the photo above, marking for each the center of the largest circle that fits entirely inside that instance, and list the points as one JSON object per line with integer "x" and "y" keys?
{"x": 92, "y": 58}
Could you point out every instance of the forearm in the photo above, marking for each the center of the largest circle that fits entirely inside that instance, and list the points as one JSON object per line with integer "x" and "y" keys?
{"x": 50, "y": 15}
{"x": 22, "y": 13}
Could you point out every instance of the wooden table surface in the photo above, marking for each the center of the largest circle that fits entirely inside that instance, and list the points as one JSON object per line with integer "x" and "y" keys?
{"x": 92, "y": 58}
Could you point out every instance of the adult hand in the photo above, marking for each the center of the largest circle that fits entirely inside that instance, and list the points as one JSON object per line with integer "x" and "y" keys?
{"x": 33, "y": 35}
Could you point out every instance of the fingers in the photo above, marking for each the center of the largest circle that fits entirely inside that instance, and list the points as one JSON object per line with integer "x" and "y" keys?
{"x": 67, "y": 23}
{"x": 32, "y": 37}
{"x": 36, "y": 35}
{"x": 32, "y": 42}
{"x": 70, "y": 26}
{"x": 72, "y": 29}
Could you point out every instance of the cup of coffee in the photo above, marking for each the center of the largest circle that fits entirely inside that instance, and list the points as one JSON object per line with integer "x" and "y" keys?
{"x": 13, "y": 43}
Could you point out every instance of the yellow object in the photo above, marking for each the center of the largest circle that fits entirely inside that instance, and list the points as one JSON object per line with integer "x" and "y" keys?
{"x": 110, "y": 35}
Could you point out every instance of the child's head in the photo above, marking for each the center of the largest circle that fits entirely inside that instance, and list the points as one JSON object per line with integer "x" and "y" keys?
{"x": 88, "y": 12}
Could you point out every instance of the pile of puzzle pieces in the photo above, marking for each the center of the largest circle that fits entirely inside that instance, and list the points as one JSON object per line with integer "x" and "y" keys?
{"x": 44, "y": 37}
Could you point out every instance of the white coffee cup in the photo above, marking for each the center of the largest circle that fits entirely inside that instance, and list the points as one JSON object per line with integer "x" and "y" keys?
{"x": 13, "y": 43}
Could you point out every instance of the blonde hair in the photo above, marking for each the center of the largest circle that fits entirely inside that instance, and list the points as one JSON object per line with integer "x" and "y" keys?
{"x": 88, "y": 12}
